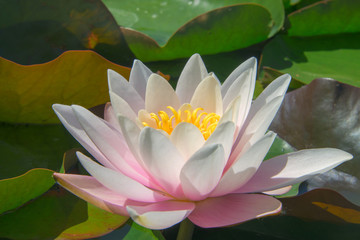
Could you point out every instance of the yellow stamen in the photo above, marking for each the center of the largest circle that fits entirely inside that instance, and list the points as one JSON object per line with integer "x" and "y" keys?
{"x": 206, "y": 122}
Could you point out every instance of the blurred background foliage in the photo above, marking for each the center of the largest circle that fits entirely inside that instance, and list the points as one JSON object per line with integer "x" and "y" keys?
{"x": 59, "y": 51}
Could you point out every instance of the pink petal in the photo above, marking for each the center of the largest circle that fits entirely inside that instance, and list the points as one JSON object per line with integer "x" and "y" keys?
{"x": 111, "y": 143}
{"x": 194, "y": 72}
{"x": 160, "y": 215}
{"x": 162, "y": 160}
{"x": 202, "y": 172}
{"x": 71, "y": 123}
{"x": 138, "y": 77}
{"x": 89, "y": 189}
{"x": 244, "y": 166}
{"x": 208, "y": 96}
{"x": 120, "y": 86}
{"x": 233, "y": 209}
{"x": 187, "y": 138}
{"x": 294, "y": 167}
{"x": 160, "y": 95}
{"x": 120, "y": 183}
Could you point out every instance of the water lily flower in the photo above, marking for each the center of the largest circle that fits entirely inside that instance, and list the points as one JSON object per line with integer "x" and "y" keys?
{"x": 195, "y": 152}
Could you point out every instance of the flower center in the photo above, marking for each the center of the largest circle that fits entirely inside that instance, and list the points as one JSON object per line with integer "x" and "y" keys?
{"x": 206, "y": 122}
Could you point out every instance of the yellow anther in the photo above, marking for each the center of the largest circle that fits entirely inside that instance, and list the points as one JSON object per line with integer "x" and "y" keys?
{"x": 206, "y": 122}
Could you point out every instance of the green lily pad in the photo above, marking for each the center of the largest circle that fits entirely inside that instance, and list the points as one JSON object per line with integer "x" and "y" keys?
{"x": 24, "y": 147}
{"x": 325, "y": 113}
{"x": 16, "y": 191}
{"x": 138, "y": 232}
{"x": 316, "y": 57}
{"x": 60, "y": 214}
{"x": 212, "y": 32}
{"x": 40, "y": 30}
{"x": 326, "y": 17}
{"x": 279, "y": 147}
{"x": 28, "y": 92}
{"x": 160, "y": 19}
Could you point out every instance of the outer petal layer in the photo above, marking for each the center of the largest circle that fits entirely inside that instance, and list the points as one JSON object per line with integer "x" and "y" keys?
{"x": 294, "y": 167}
{"x": 160, "y": 215}
{"x": 120, "y": 183}
{"x": 233, "y": 209}
{"x": 89, "y": 189}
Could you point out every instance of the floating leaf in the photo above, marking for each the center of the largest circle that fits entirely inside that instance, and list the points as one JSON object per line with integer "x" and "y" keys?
{"x": 326, "y": 17}
{"x": 316, "y": 57}
{"x": 325, "y": 113}
{"x": 16, "y": 191}
{"x": 212, "y": 32}
{"x": 153, "y": 18}
{"x": 138, "y": 232}
{"x": 58, "y": 213}
{"x": 28, "y": 92}
{"x": 24, "y": 147}
{"x": 40, "y": 30}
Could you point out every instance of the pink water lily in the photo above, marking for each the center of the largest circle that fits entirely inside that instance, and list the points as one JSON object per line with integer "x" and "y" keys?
{"x": 195, "y": 152}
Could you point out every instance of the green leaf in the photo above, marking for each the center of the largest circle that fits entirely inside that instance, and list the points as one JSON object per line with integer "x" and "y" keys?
{"x": 316, "y": 57}
{"x": 326, "y": 17}
{"x": 16, "y": 191}
{"x": 28, "y": 92}
{"x": 212, "y": 32}
{"x": 139, "y": 232}
{"x": 40, "y": 30}
{"x": 24, "y": 147}
{"x": 160, "y": 19}
{"x": 325, "y": 113}
{"x": 279, "y": 147}
{"x": 58, "y": 213}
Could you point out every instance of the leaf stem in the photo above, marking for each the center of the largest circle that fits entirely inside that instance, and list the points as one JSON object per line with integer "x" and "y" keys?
{"x": 186, "y": 230}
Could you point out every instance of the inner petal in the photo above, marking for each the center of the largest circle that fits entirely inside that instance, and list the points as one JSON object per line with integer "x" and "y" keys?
{"x": 205, "y": 122}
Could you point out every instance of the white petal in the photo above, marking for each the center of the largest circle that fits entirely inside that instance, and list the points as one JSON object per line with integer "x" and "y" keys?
{"x": 275, "y": 89}
{"x": 202, "y": 172}
{"x": 248, "y": 64}
{"x": 162, "y": 159}
{"x": 208, "y": 96}
{"x": 187, "y": 138}
{"x": 294, "y": 167}
{"x": 120, "y": 86}
{"x": 111, "y": 143}
{"x": 159, "y": 95}
{"x": 244, "y": 167}
{"x": 109, "y": 116}
{"x": 224, "y": 135}
{"x": 255, "y": 129}
{"x": 194, "y": 72}
{"x": 71, "y": 123}
{"x": 138, "y": 77}
{"x": 160, "y": 215}
{"x": 122, "y": 107}
{"x": 231, "y": 113}
{"x": 243, "y": 86}
{"x": 120, "y": 183}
